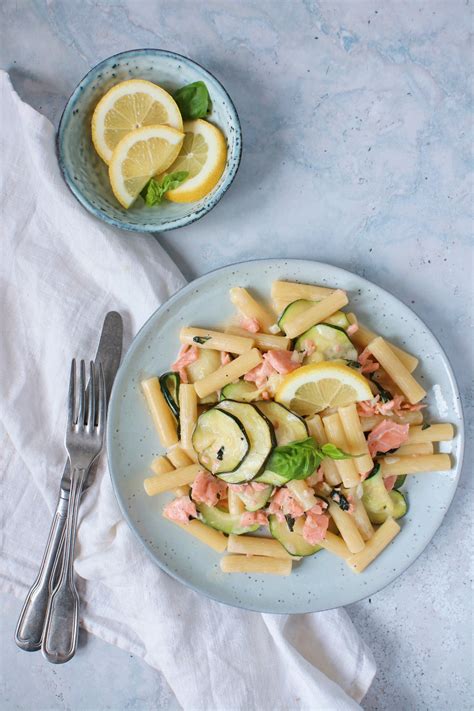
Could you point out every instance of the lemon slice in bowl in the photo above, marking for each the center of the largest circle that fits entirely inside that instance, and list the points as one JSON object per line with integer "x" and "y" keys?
{"x": 139, "y": 156}
{"x": 203, "y": 156}
{"x": 312, "y": 388}
{"x": 127, "y": 106}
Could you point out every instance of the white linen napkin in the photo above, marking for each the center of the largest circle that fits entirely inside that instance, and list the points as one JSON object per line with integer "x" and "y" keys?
{"x": 61, "y": 271}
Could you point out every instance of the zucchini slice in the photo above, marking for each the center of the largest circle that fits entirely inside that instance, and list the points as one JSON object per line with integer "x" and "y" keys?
{"x": 269, "y": 477}
{"x": 292, "y": 541}
{"x": 331, "y": 342}
{"x": 169, "y": 384}
{"x": 288, "y": 426}
{"x": 376, "y": 499}
{"x": 220, "y": 441}
{"x": 242, "y": 391}
{"x": 257, "y": 499}
{"x": 261, "y": 437}
{"x": 223, "y": 521}
{"x": 399, "y": 481}
{"x": 399, "y": 508}
{"x": 297, "y": 307}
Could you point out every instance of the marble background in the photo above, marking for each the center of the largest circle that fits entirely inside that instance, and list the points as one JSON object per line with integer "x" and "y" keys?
{"x": 357, "y": 129}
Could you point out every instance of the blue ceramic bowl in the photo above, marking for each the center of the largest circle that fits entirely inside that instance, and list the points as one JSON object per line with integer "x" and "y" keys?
{"x": 87, "y": 175}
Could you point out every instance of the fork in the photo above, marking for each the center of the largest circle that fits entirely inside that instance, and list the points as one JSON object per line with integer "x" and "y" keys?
{"x": 84, "y": 441}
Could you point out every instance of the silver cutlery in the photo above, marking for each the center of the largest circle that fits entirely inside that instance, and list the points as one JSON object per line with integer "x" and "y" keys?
{"x": 30, "y": 626}
{"x": 84, "y": 441}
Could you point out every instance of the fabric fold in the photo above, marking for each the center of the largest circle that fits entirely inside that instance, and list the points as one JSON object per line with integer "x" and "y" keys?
{"x": 61, "y": 271}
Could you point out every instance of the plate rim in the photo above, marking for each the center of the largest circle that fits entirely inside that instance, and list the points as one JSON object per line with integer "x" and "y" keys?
{"x": 459, "y": 436}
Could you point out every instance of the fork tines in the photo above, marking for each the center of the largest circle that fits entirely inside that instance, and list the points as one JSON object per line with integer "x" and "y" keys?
{"x": 86, "y": 409}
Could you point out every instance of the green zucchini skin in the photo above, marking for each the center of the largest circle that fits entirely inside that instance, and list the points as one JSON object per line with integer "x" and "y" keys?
{"x": 297, "y": 307}
{"x": 399, "y": 508}
{"x": 292, "y": 541}
{"x": 380, "y": 503}
{"x": 376, "y": 498}
{"x": 223, "y": 521}
{"x": 241, "y": 391}
{"x": 331, "y": 342}
{"x": 169, "y": 384}
{"x": 220, "y": 441}
{"x": 288, "y": 427}
{"x": 256, "y": 500}
{"x": 260, "y": 434}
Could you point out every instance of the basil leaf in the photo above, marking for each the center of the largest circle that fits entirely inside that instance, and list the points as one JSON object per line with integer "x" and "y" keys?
{"x": 425, "y": 426}
{"x": 297, "y": 460}
{"x": 173, "y": 180}
{"x": 201, "y": 339}
{"x": 333, "y": 452}
{"x": 154, "y": 191}
{"x": 193, "y": 100}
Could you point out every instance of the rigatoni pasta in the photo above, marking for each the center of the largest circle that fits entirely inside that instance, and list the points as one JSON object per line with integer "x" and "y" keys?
{"x": 363, "y": 336}
{"x": 396, "y": 370}
{"x": 216, "y": 340}
{"x": 308, "y": 435}
{"x": 316, "y": 314}
{"x": 161, "y": 414}
{"x": 228, "y": 373}
{"x": 251, "y": 309}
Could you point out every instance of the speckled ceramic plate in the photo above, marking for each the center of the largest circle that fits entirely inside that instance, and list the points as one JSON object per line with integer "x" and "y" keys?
{"x": 319, "y": 582}
{"x": 87, "y": 175}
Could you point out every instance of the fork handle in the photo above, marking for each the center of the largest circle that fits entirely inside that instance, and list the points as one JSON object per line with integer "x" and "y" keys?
{"x": 29, "y": 629}
{"x": 62, "y": 619}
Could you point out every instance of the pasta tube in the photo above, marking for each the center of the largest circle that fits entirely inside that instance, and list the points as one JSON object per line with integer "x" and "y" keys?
{"x": 215, "y": 340}
{"x": 335, "y": 545}
{"x": 414, "y": 464}
{"x": 160, "y": 465}
{"x": 410, "y": 418}
{"x": 250, "y": 308}
{"x": 253, "y": 545}
{"x": 396, "y": 370}
{"x": 182, "y": 491}
{"x": 360, "y": 516}
{"x": 263, "y": 341}
{"x": 285, "y": 292}
{"x": 162, "y": 416}
{"x": 356, "y": 442}
{"x": 228, "y": 373}
{"x": 380, "y": 540}
{"x": 317, "y": 313}
{"x": 335, "y": 434}
{"x": 178, "y": 477}
{"x": 178, "y": 457}
{"x": 187, "y": 418}
{"x": 212, "y": 538}
{"x": 363, "y": 336}
{"x": 433, "y": 433}
{"x": 347, "y": 528}
{"x": 257, "y": 564}
{"x": 317, "y": 431}
{"x": 422, "y": 448}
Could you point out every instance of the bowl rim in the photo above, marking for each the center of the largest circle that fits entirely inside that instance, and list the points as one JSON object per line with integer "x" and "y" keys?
{"x": 98, "y": 212}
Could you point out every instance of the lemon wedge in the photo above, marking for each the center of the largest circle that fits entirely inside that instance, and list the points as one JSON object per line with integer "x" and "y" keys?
{"x": 203, "y": 156}
{"x": 127, "y": 106}
{"x": 316, "y": 386}
{"x": 139, "y": 156}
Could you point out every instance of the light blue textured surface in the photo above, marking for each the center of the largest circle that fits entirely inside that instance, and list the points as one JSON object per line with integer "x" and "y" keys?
{"x": 357, "y": 133}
